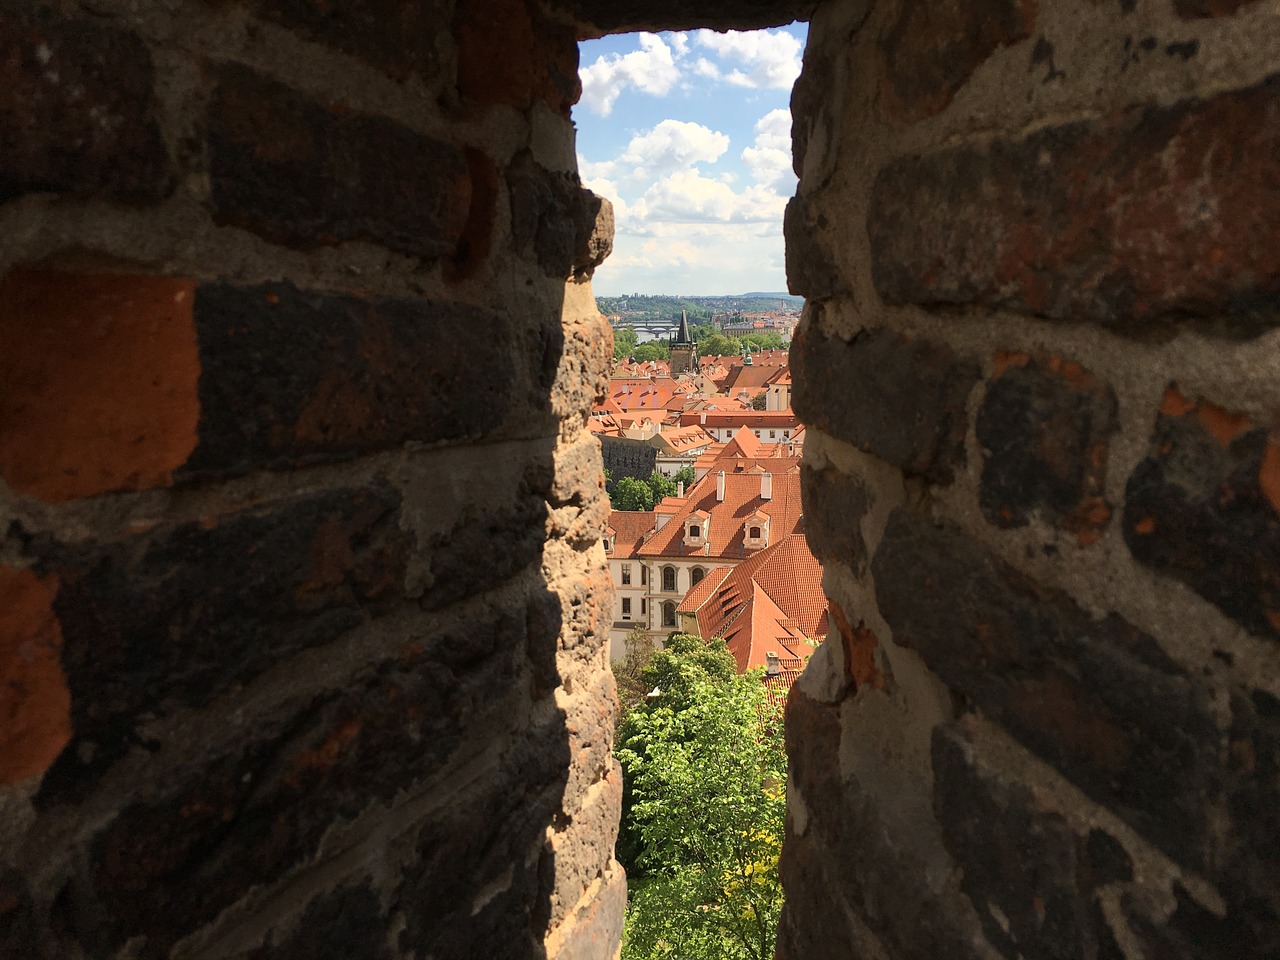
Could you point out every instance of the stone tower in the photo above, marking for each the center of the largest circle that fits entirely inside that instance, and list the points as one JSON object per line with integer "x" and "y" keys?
{"x": 684, "y": 351}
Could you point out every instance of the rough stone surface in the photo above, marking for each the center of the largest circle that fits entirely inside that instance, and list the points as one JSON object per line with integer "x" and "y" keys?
{"x": 300, "y": 173}
{"x": 931, "y": 48}
{"x": 1028, "y": 873}
{"x": 1144, "y": 218}
{"x": 176, "y": 616}
{"x": 1204, "y": 507}
{"x": 512, "y": 54}
{"x": 1096, "y": 698}
{"x": 1044, "y": 426}
{"x": 897, "y": 397}
{"x": 290, "y": 376}
{"x": 844, "y": 500}
{"x": 342, "y": 925}
{"x": 77, "y": 113}
{"x": 621, "y": 16}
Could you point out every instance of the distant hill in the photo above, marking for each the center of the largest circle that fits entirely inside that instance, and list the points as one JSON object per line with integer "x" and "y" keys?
{"x": 655, "y": 306}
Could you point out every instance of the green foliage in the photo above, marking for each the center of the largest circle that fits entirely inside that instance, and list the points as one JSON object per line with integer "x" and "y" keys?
{"x": 624, "y": 342}
{"x": 661, "y": 485}
{"x": 760, "y": 400}
{"x": 703, "y": 809}
{"x": 719, "y": 345}
{"x": 632, "y": 494}
{"x": 629, "y": 671}
{"x": 764, "y": 340}
{"x": 651, "y": 350}
{"x": 684, "y": 475}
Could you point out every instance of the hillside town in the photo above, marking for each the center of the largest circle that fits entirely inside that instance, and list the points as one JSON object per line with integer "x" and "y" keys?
{"x": 726, "y": 555}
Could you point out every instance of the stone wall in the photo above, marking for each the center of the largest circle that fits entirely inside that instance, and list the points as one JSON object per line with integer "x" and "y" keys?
{"x": 300, "y": 571}
{"x": 1039, "y": 368}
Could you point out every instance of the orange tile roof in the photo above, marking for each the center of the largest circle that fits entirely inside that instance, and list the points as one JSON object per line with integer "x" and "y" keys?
{"x": 742, "y": 498}
{"x": 772, "y": 602}
{"x": 630, "y": 528}
{"x": 744, "y": 444}
{"x": 742, "y": 418}
{"x": 686, "y": 438}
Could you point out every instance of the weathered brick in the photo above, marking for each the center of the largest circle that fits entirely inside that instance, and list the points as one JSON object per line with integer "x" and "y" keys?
{"x": 510, "y": 53}
{"x": 77, "y": 113}
{"x": 812, "y": 271}
{"x": 1029, "y": 874}
{"x": 97, "y": 382}
{"x": 300, "y": 173}
{"x": 932, "y": 47}
{"x": 165, "y": 866}
{"x": 1204, "y": 507}
{"x": 398, "y": 37}
{"x": 291, "y": 377}
{"x": 347, "y": 924}
{"x": 837, "y": 502}
{"x": 555, "y": 219}
{"x": 1044, "y": 426}
{"x": 176, "y": 616}
{"x": 35, "y": 705}
{"x": 897, "y": 397}
{"x": 1198, "y": 9}
{"x": 1098, "y": 699}
{"x": 1146, "y": 216}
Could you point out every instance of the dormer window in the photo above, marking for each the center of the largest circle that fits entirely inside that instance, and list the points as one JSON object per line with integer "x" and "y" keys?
{"x": 695, "y": 531}
{"x": 753, "y": 533}
{"x": 608, "y": 544}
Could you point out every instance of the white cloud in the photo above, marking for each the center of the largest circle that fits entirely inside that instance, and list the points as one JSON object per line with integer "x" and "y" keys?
{"x": 651, "y": 69}
{"x": 671, "y": 145}
{"x": 769, "y": 160}
{"x": 764, "y": 58}
{"x": 688, "y": 197}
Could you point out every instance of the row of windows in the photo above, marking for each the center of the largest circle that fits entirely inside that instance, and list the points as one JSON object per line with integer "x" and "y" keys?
{"x": 669, "y": 573}
{"x": 668, "y": 611}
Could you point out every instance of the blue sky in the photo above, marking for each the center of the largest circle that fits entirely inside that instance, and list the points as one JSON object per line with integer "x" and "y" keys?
{"x": 689, "y": 134}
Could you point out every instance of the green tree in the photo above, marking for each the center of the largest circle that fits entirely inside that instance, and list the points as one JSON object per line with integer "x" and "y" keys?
{"x": 624, "y": 342}
{"x": 684, "y": 475}
{"x": 765, "y": 340}
{"x": 651, "y": 350}
{"x": 705, "y": 776}
{"x": 632, "y": 494}
{"x": 720, "y": 345}
{"x": 628, "y": 672}
{"x": 760, "y": 400}
{"x": 661, "y": 485}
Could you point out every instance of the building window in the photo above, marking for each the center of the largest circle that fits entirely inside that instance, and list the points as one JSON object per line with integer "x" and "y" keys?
{"x": 626, "y": 608}
{"x": 773, "y": 434}
{"x": 626, "y": 573}
{"x": 696, "y": 575}
{"x": 644, "y": 574}
{"x": 754, "y": 533}
{"x": 695, "y": 531}
{"x": 669, "y": 579}
{"x": 668, "y": 614}
{"x": 643, "y": 605}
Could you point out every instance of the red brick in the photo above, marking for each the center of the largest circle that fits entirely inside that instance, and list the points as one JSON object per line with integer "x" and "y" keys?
{"x": 510, "y": 54}
{"x": 1044, "y": 427}
{"x": 933, "y": 46}
{"x": 1147, "y": 216}
{"x": 292, "y": 377}
{"x": 35, "y": 704}
{"x": 97, "y": 382}
{"x": 308, "y": 174}
{"x": 77, "y": 113}
{"x": 1204, "y": 508}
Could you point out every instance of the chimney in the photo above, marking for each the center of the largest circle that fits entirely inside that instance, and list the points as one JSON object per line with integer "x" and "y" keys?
{"x": 680, "y": 489}
{"x": 720, "y": 486}
{"x": 773, "y": 666}
{"x": 766, "y": 486}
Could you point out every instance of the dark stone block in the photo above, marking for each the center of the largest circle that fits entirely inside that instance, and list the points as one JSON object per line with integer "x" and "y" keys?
{"x": 21, "y": 937}
{"x": 347, "y": 924}
{"x": 510, "y": 53}
{"x": 554, "y": 219}
{"x": 836, "y": 503}
{"x": 77, "y": 114}
{"x": 1090, "y": 221}
{"x": 812, "y": 270}
{"x": 932, "y": 47}
{"x": 179, "y": 615}
{"x": 291, "y": 377}
{"x": 899, "y": 398}
{"x": 1204, "y": 507}
{"x": 618, "y": 16}
{"x": 165, "y": 866}
{"x": 1028, "y": 873}
{"x": 1098, "y": 699}
{"x": 1199, "y": 9}
{"x": 295, "y": 172}
{"x": 1044, "y": 426}
{"x": 398, "y": 37}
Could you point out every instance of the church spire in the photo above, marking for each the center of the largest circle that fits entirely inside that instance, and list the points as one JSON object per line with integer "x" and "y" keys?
{"x": 682, "y": 336}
